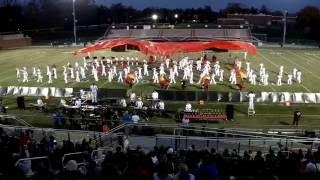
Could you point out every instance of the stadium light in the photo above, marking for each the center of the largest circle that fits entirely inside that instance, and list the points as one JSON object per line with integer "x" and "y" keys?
{"x": 285, "y": 13}
{"x": 176, "y": 16}
{"x": 74, "y": 21}
{"x": 154, "y": 17}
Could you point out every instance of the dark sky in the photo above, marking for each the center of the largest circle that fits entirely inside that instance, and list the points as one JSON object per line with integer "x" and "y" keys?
{"x": 290, "y": 5}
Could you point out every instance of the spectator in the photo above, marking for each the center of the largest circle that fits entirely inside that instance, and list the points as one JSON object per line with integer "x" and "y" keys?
{"x": 207, "y": 170}
{"x": 135, "y": 118}
{"x": 162, "y": 173}
{"x": 71, "y": 171}
{"x": 183, "y": 173}
{"x": 127, "y": 117}
{"x": 56, "y": 117}
{"x": 25, "y": 165}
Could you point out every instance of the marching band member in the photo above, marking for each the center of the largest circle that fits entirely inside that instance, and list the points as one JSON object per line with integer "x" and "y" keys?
{"x": 299, "y": 77}
{"x": 25, "y": 75}
{"x": 120, "y": 79}
{"x": 145, "y": 69}
{"x": 94, "y": 93}
{"x": 279, "y": 81}
{"x": 289, "y": 81}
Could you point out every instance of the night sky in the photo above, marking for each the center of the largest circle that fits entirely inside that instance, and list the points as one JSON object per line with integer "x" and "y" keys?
{"x": 291, "y": 5}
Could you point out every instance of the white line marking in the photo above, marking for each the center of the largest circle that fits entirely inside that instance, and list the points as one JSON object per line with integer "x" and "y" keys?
{"x": 277, "y": 66}
{"x": 306, "y": 88}
{"x": 288, "y": 60}
{"x": 268, "y": 60}
{"x": 304, "y": 57}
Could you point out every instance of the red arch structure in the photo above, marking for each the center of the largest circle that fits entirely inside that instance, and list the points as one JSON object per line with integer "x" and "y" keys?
{"x": 170, "y": 48}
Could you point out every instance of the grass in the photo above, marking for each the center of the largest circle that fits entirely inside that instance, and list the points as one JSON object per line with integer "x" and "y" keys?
{"x": 268, "y": 115}
{"x": 305, "y": 60}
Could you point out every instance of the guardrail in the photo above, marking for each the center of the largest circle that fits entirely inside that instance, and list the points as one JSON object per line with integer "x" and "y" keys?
{"x": 59, "y": 134}
{"x": 30, "y": 172}
{"x": 241, "y": 144}
{"x": 65, "y": 156}
{"x": 225, "y": 131}
{"x": 18, "y": 120}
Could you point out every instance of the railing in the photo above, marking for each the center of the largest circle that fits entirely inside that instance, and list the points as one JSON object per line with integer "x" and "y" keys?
{"x": 229, "y": 132}
{"x": 235, "y": 138}
{"x": 241, "y": 144}
{"x": 98, "y": 155}
{"x": 16, "y": 119}
{"x": 31, "y": 172}
{"x": 81, "y": 154}
{"x": 59, "y": 134}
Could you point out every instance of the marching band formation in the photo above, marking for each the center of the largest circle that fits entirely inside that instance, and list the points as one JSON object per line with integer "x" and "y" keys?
{"x": 119, "y": 69}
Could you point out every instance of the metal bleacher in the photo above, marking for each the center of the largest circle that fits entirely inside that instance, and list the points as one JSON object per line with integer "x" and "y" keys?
{"x": 181, "y": 34}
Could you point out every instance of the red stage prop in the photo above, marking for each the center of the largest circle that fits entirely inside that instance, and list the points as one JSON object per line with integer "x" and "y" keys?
{"x": 170, "y": 48}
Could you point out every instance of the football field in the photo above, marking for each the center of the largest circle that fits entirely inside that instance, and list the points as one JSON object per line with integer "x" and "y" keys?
{"x": 305, "y": 60}
{"x": 268, "y": 115}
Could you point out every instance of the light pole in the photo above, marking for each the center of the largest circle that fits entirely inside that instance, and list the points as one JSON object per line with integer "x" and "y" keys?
{"x": 176, "y": 16}
{"x": 284, "y": 27}
{"x": 74, "y": 21}
{"x": 155, "y": 18}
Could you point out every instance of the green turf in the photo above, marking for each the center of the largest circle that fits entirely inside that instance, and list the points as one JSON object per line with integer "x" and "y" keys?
{"x": 305, "y": 60}
{"x": 268, "y": 115}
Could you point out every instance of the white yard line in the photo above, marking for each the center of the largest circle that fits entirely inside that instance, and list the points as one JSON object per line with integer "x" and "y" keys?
{"x": 276, "y": 65}
{"x": 274, "y": 90}
{"x": 304, "y": 57}
{"x": 307, "y": 89}
{"x": 302, "y": 67}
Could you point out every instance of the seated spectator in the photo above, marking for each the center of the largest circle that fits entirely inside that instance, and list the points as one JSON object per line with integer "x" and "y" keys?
{"x": 123, "y": 103}
{"x": 127, "y": 117}
{"x": 207, "y": 170}
{"x": 135, "y": 118}
{"x": 183, "y": 173}
{"x": 162, "y": 173}
{"x": 71, "y": 170}
{"x": 139, "y": 104}
{"x": 25, "y": 165}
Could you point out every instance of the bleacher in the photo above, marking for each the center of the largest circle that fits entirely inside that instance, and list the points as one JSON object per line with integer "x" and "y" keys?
{"x": 85, "y": 160}
{"x": 181, "y": 34}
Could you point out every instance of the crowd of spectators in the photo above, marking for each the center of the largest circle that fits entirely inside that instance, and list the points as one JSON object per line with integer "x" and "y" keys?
{"x": 161, "y": 163}
{"x": 25, "y": 145}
